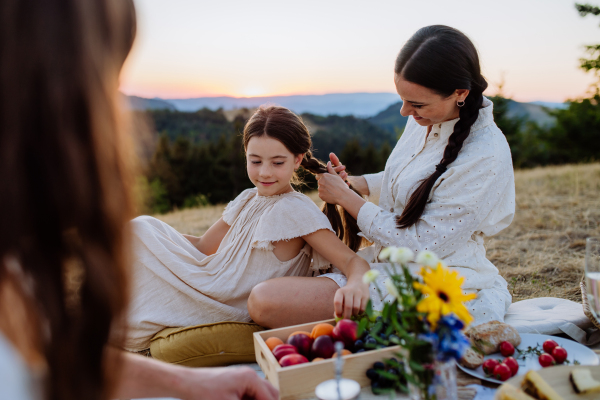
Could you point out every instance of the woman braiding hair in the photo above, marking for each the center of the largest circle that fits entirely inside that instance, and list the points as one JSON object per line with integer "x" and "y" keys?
{"x": 447, "y": 185}
{"x": 419, "y": 63}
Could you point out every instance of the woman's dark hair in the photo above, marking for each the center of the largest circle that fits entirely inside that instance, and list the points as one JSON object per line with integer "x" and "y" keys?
{"x": 65, "y": 174}
{"x": 285, "y": 126}
{"x": 442, "y": 59}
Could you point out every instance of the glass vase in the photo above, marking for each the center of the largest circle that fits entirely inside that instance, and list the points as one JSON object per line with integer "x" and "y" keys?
{"x": 444, "y": 380}
{"x": 441, "y": 379}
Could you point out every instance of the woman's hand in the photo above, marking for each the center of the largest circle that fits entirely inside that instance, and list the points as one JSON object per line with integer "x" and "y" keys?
{"x": 351, "y": 299}
{"x": 358, "y": 182}
{"x": 338, "y": 167}
{"x": 332, "y": 187}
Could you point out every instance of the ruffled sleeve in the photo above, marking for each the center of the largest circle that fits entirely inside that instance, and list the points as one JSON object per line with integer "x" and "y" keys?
{"x": 294, "y": 215}
{"x": 236, "y": 205}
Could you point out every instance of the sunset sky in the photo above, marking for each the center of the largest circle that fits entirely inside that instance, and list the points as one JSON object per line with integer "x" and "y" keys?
{"x": 197, "y": 48}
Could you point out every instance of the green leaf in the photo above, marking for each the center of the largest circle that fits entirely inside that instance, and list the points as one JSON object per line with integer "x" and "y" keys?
{"x": 415, "y": 367}
{"x": 362, "y": 326}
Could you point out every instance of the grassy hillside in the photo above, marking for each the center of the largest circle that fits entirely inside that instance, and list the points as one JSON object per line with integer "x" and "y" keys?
{"x": 541, "y": 254}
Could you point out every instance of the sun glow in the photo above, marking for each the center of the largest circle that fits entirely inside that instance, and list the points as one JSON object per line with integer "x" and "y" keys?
{"x": 252, "y": 91}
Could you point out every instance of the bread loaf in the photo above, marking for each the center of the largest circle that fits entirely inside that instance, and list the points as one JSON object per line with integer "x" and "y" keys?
{"x": 487, "y": 337}
{"x": 471, "y": 359}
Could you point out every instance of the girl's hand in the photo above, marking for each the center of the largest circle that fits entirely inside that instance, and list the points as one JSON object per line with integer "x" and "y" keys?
{"x": 351, "y": 299}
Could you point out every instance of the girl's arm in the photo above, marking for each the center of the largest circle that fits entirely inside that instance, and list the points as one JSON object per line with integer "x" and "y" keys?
{"x": 211, "y": 240}
{"x": 352, "y": 298}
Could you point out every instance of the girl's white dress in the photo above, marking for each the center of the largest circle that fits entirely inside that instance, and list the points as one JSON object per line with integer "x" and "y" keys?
{"x": 473, "y": 199}
{"x": 174, "y": 284}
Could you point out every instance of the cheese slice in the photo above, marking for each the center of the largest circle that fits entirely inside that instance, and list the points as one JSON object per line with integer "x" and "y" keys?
{"x": 509, "y": 392}
{"x": 582, "y": 381}
{"x": 536, "y": 386}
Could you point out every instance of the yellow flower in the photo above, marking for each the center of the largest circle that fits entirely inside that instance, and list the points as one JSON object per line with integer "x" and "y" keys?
{"x": 442, "y": 288}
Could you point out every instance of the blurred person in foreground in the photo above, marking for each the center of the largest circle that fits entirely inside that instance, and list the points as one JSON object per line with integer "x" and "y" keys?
{"x": 66, "y": 170}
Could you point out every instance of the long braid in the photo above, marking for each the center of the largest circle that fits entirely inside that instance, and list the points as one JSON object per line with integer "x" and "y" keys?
{"x": 418, "y": 199}
{"x": 344, "y": 225}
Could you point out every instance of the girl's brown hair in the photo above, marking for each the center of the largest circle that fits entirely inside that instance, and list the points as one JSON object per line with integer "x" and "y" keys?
{"x": 65, "y": 174}
{"x": 285, "y": 126}
{"x": 442, "y": 59}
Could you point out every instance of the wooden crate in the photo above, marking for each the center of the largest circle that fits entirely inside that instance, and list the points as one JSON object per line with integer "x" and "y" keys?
{"x": 300, "y": 381}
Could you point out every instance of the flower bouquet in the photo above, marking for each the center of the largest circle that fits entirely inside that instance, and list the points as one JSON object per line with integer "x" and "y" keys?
{"x": 424, "y": 314}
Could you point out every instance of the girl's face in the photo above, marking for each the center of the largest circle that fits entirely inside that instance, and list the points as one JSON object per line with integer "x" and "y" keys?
{"x": 426, "y": 106}
{"x": 270, "y": 165}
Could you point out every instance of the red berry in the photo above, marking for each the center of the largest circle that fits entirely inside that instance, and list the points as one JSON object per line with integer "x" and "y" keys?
{"x": 549, "y": 345}
{"x": 502, "y": 372}
{"x": 546, "y": 360}
{"x": 507, "y": 349}
{"x": 559, "y": 354}
{"x": 489, "y": 365}
{"x": 512, "y": 364}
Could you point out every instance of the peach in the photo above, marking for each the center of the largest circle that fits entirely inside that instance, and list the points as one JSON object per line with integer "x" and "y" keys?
{"x": 283, "y": 350}
{"x": 301, "y": 342}
{"x": 292, "y": 359}
{"x": 323, "y": 347}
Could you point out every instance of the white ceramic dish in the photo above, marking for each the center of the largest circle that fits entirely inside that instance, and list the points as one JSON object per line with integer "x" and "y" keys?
{"x": 576, "y": 352}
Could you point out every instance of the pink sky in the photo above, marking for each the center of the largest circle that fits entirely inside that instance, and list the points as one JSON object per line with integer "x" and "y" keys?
{"x": 188, "y": 48}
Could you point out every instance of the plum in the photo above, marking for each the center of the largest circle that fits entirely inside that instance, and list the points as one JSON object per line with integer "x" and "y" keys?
{"x": 323, "y": 347}
{"x": 283, "y": 350}
{"x": 292, "y": 359}
{"x": 302, "y": 343}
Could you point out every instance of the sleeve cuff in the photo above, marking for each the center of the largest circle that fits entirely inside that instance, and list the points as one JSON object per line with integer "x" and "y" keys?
{"x": 366, "y": 215}
{"x": 374, "y": 182}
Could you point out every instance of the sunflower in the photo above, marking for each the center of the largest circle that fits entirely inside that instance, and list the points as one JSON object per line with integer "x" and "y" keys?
{"x": 443, "y": 295}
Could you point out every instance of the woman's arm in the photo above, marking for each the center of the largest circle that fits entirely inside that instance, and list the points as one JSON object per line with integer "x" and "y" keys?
{"x": 352, "y": 298}
{"x": 142, "y": 377}
{"x": 211, "y": 240}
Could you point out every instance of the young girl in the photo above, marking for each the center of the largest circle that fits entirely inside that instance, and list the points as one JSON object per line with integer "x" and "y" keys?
{"x": 267, "y": 232}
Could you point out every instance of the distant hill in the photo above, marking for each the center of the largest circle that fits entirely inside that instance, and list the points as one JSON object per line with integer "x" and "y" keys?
{"x": 357, "y": 104}
{"x": 390, "y": 119}
{"x": 141, "y": 103}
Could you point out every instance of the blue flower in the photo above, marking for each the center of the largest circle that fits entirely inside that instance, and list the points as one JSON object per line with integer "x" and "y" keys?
{"x": 448, "y": 341}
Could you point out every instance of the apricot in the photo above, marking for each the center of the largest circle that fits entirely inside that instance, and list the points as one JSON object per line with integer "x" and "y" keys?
{"x": 345, "y": 352}
{"x": 317, "y": 359}
{"x": 273, "y": 342}
{"x": 320, "y": 330}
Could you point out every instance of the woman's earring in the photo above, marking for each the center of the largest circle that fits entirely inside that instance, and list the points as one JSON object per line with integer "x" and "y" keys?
{"x": 460, "y": 103}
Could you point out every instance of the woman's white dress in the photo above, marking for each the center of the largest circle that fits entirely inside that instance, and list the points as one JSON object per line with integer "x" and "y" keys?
{"x": 174, "y": 284}
{"x": 473, "y": 199}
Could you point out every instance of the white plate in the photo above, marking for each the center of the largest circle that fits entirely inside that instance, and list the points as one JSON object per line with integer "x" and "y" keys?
{"x": 575, "y": 352}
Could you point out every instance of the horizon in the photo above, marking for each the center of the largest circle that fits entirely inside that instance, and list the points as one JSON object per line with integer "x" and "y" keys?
{"x": 187, "y": 49}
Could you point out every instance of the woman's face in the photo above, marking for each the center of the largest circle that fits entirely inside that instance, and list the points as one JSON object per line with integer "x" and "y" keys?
{"x": 426, "y": 106}
{"x": 270, "y": 165}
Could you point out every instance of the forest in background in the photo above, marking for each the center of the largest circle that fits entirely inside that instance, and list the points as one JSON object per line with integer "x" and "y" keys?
{"x": 198, "y": 157}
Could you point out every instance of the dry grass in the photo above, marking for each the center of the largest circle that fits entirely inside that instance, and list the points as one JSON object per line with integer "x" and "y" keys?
{"x": 541, "y": 254}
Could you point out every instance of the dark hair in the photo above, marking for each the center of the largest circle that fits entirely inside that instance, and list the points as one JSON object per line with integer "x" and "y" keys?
{"x": 65, "y": 173}
{"x": 442, "y": 59}
{"x": 285, "y": 126}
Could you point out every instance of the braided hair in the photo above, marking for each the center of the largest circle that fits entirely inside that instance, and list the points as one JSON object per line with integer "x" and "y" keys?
{"x": 287, "y": 127}
{"x": 442, "y": 59}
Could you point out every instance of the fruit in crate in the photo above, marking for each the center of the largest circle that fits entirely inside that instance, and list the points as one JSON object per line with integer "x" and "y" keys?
{"x": 320, "y": 330}
{"x": 323, "y": 347}
{"x": 283, "y": 350}
{"x": 345, "y": 330}
{"x": 292, "y": 359}
{"x": 345, "y": 352}
{"x": 302, "y": 342}
{"x": 273, "y": 342}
